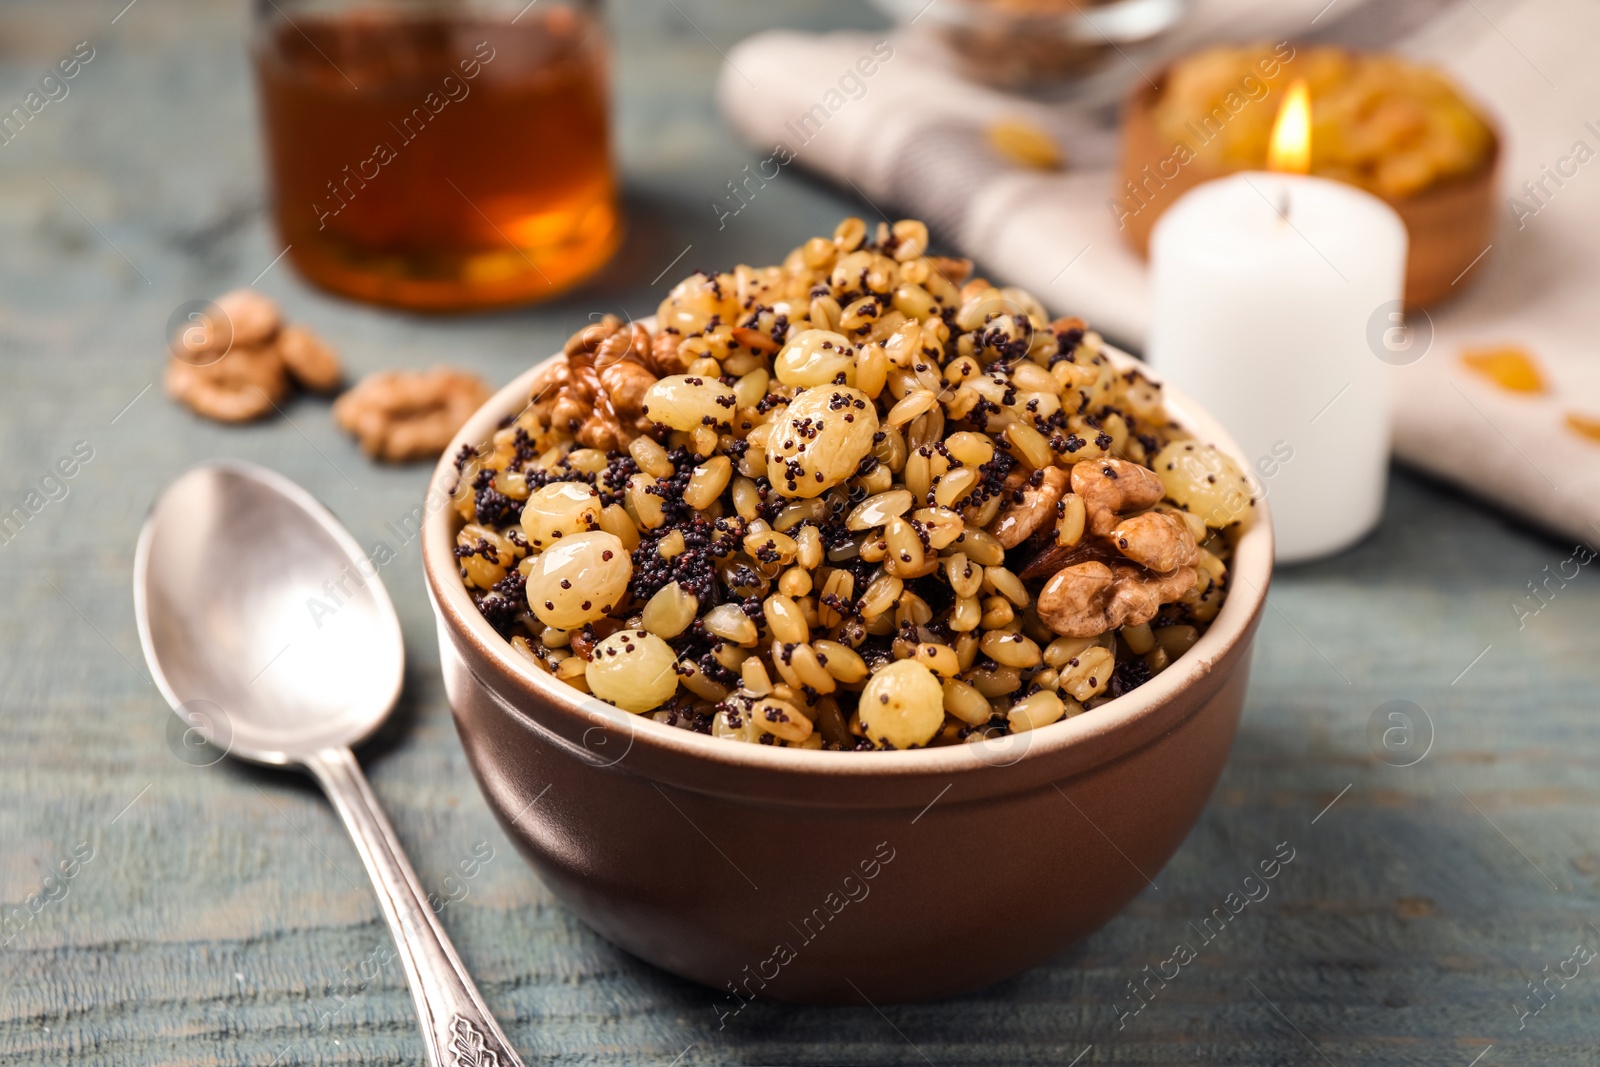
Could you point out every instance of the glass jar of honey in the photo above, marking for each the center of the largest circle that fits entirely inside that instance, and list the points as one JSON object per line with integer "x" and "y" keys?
{"x": 438, "y": 155}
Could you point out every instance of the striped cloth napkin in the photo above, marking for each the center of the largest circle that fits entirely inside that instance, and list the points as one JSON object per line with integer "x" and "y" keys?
{"x": 885, "y": 115}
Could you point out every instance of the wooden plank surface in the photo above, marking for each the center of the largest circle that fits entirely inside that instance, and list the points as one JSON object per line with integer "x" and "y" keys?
{"x": 218, "y": 915}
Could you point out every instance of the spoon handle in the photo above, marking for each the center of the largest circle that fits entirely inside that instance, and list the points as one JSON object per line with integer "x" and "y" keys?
{"x": 456, "y": 1025}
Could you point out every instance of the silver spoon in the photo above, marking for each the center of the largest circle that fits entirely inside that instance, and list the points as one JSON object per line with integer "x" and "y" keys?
{"x": 270, "y": 634}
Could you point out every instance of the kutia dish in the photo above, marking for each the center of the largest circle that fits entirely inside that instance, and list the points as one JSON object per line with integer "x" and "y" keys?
{"x": 748, "y": 867}
{"x": 856, "y": 501}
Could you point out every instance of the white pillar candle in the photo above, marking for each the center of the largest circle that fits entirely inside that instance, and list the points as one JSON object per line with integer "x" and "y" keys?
{"x": 1264, "y": 285}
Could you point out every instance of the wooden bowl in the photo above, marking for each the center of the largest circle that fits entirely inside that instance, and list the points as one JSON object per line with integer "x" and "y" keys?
{"x": 839, "y": 876}
{"x": 1450, "y": 225}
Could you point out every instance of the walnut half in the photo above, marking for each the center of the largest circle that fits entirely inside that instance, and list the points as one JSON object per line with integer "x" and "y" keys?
{"x": 597, "y": 395}
{"x": 1087, "y": 599}
{"x": 1130, "y": 562}
{"x": 244, "y": 384}
{"x": 402, "y": 416}
{"x": 1019, "y": 521}
{"x": 1158, "y": 539}
{"x": 1110, "y": 487}
{"x": 239, "y": 360}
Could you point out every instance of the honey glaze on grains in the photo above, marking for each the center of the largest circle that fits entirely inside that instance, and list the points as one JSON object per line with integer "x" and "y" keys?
{"x": 440, "y": 163}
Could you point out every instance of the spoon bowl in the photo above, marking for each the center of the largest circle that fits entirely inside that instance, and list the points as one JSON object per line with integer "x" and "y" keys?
{"x": 270, "y": 634}
{"x": 259, "y": 619}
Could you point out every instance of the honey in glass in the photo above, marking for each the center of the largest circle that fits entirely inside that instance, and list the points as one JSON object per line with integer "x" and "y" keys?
{"x": 438, "y": 155}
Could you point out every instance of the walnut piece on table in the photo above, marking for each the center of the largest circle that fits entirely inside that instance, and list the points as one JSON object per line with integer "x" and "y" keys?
{"x": 238, "y": 362}
{"x": 405, "y": 416}
{"x": 309, "y": 360}
{"x": 243, "y": 385}
{"x": 242, "y": 318}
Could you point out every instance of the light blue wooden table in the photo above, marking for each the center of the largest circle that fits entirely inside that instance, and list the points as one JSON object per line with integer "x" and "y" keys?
{"x": 218, "y": 915}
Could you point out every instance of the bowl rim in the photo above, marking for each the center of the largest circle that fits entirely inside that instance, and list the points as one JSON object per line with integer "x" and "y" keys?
{"x": 1111, "y": 731}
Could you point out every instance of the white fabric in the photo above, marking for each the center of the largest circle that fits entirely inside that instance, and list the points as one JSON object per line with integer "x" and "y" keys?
{"x": 913, "y": 141}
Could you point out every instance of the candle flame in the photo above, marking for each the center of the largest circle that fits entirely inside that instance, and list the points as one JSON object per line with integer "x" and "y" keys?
{"x": 1290, "y": 148}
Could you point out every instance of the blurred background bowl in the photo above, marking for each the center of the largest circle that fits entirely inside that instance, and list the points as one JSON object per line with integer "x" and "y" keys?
{"x": 1448, "y": 225}
{"x": 1034, "y": 44}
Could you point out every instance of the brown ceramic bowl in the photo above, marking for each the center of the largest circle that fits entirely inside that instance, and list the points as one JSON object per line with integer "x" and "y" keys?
{"x": 835, "y": 876}
{"x": 1449, "y": 225}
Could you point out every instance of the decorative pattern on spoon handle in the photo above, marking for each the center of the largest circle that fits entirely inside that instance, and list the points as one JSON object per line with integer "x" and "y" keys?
{"x": 469, "y": 1046}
